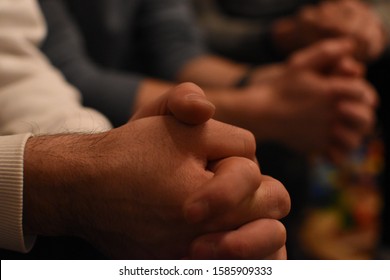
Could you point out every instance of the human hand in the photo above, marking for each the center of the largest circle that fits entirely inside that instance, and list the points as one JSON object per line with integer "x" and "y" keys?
{"x": 333, "y": 19}
{"x": 142, "y": 190}
{"x": 260, "y": 239}
{"x": 330, "y": 116}
{"x": 250, "y": 241}
{"x": 305, "y": 105}
{"x": 331, "y": 57}
{"x": 220, "y": 202}
{"x": 328, "y": 57}
{"x": 263, "y": 238}
{"x": 355, "y": 113}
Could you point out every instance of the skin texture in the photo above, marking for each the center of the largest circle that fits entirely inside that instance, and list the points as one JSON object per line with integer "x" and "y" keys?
{"x": 333, "y": 19}
{"x": 164, "y": 185}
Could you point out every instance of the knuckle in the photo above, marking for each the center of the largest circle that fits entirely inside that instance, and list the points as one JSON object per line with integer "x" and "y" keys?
{"x": 250, "y": 170}
{"x": 249, "y": 143}
{"x": 237, "y": 249}
{"x": 279, "y": 199}
{"x": 275, "y": 238}
{"x": 253, "y": 170}
{"x": 280, "y": 234}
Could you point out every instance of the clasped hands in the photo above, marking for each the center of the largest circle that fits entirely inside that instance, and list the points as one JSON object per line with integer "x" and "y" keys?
{"x": 318, "y": 101}
{"x": 173, "y": 183}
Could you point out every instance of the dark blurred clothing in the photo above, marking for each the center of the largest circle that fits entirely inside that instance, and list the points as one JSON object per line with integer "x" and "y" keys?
{"x": 106, "y": 47}
{"x": 241, "y": 29}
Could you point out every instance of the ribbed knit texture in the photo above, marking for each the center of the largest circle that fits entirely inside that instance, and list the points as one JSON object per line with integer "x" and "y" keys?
{"x": 11, "y": 193}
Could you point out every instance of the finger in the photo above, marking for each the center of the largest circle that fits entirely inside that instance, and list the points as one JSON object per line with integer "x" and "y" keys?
{"x": 323, "y": 56}
{"x": 186, "y": 102}
{"x": 353, "y": 89}
{"x": 331, "y": 16}
{"x": 308, "y": 15}
{"x": 235, "y": 179}
{"x": 374, "y": 37}
{"x": 281, "y": 254}
{"x": 346, "y": 138}
{"x": 271, "y": 200}
{"x": 237, "y": 141}
{"x": 343, "y": 142}
{"x": 350, "y": 67}
{"x": 375, "y": 41}
{"x": 358, "y": 117}
{"x": 336, "y": 155}
{"x": 339, "y": 18}
{"x": 212, "y": 140}
{"x": 260, "y": 239}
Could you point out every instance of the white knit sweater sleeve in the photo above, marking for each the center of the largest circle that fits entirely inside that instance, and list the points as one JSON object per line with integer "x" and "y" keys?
{"x": 34, "y": 99}
{"x": 11, "y": 194}
{"x": 34, "y": 96}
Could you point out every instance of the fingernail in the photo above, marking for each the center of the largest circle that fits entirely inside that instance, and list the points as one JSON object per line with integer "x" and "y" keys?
{"x": 199, "y": 98}
{"x": 196, "y": 212}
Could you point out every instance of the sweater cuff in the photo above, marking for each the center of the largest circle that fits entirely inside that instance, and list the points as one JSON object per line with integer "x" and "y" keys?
{"x": 11, "y": 194}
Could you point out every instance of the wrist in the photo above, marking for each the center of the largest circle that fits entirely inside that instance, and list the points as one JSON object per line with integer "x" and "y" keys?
{"x": 150, "y": 90}
{"x": 245, "y": 79}
{"x": 56, "y": 170}
{"x": 262, "y": 111}
{"x": 220, "y": 72}
{"x": 249, "y": 108}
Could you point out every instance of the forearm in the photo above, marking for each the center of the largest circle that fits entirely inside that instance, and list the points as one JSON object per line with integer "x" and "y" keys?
{"x": 149, "y": 90}
{"x": 249, "y": 108}
{"x": 34, "y": 99}
{"x": 58, "y": 173}
{"x": 212, "y": 71}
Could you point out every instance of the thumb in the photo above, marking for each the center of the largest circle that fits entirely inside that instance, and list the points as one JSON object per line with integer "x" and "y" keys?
{"x": 186, "y": 102}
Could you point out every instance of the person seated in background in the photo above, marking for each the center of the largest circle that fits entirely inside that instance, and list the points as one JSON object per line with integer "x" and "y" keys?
{"x": 114, "y": 52}
{"x": 123, "y": 54}
{"x": 150, "y": 188}
{"x": 260, "y": 32}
